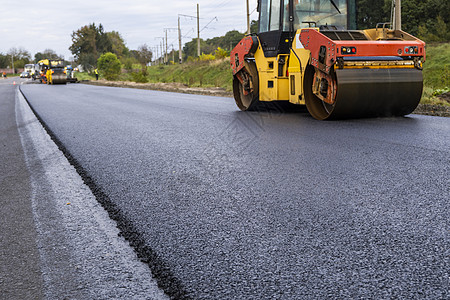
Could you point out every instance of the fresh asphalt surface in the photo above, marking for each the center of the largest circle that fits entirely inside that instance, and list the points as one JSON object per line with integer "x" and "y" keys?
{"x": 275, "y": 205}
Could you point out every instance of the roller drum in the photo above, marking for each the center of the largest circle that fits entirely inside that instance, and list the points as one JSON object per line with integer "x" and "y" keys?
{"x": 377, "y": 92}
{"x": 59, "y": 78}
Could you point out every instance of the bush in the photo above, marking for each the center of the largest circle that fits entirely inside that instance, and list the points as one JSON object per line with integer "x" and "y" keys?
{"x": 109, "y": 66}
{"x": 205, "y": 57}
{"x": 128, "y": 63}
{"x": 139, "y": 77}
{"x": 221, "y": 53}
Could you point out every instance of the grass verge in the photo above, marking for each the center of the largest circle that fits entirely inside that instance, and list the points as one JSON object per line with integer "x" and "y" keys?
{"x": 436, "y": 74}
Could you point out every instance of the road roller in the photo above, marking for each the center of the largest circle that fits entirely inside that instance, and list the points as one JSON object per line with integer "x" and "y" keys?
{"x": 309, "y": 52}
{"x": 53, "y": 71}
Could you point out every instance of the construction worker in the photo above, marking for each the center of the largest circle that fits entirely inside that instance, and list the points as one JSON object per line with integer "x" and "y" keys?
{"x": 96, "y": 73}
{"x": 4, "y": 74}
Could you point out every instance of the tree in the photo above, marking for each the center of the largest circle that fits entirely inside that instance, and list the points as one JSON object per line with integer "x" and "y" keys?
{"x": 371, "y": 12}
{"x": 144, "y": 56}
{"x": 427, "y": 19}
{"x": 431, "y": 15}
{"x": 228, "y": 41}
{"x": 19, "y": 56}
{"x": 190, "y": 48}
{"x": 254, "y": 26}
{"x": 3, "y": 61}
{"x": 109, "y": 65}
{"x": 117, "y": 44}
{"x": 88, "y": 43}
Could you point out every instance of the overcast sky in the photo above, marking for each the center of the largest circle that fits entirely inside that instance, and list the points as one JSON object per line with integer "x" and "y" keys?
{"x": 38, "y": 25}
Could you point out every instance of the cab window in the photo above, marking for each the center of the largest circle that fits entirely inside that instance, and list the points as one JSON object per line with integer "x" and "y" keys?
{"x": 270, "y": 13}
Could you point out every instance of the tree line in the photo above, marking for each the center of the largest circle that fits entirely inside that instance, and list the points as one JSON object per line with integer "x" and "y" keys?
{"x": 429, "y": 20}
{"x": 91, "y": 41}
{"x": 20, "y": 57}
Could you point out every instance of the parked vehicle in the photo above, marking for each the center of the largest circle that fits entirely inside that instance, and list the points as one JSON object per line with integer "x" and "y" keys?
{"x": 30, "y": 68}
{"x": 25, "y": 75}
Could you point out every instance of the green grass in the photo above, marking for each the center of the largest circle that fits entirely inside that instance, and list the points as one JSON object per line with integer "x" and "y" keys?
{"x": 436, "y": 73}
{"x": 84, "y": 76}
{"x": 204, "y": 73}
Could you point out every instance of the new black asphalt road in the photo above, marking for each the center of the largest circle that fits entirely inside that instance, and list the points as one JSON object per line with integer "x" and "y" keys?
{"x": 223, "y": 204}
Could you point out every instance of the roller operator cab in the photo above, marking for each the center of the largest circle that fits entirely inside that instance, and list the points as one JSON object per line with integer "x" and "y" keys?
{"x": 308, "y": 52}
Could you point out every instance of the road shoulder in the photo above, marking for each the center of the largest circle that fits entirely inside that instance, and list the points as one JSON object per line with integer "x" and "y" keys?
{"x": 20, "y": 273}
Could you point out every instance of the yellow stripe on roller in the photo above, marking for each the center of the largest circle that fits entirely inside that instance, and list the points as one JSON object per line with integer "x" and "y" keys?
{"x": 379, "y": 65}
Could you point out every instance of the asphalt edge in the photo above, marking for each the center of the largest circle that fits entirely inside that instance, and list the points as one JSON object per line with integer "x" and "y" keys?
{"x": 164, "y": 277}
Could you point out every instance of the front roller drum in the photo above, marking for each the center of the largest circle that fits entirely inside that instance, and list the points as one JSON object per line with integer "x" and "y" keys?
{"x": 59, "y": 81}
{"x": 367, "y": 93}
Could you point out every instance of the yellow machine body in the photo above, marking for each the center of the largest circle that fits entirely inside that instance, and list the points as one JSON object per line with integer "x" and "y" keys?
{"x": 288, "y": 86}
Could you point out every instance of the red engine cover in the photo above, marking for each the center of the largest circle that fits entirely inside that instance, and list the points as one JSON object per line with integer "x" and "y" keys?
{"x": 246, "y": 46}
{"x": 313, "y": 40}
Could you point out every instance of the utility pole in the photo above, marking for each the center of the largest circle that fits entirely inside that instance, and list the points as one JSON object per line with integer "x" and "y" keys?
{"x": 248, "y": 18}
{"x": 157, "y": 55}
{"x": 398, "y": 15}
{"x": 180, "y": 57}
{"x": 12, "y": 63}
{"x": 173, "y": 54}
{"x": 167, "y": 51}
{"x": 179, "y": 33}
{"x": 165, "y": 56}
{"x": 162, "y": 47}
{"x": 198, "y": 30}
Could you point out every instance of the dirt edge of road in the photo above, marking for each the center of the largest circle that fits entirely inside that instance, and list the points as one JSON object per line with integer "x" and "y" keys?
{"x": 167, "y": 87}
{"x": 422, "y": 109}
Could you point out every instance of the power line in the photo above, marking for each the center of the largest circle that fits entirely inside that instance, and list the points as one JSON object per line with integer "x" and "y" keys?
{"x": 215, "y": 18}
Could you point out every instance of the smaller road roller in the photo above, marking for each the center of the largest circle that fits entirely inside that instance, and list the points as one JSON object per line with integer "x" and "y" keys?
{"x": 309, "y": 52}
{"x": 52, "y": 71}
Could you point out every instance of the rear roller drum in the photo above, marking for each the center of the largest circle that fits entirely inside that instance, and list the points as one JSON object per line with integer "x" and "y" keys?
{"x": 246, "y": 88}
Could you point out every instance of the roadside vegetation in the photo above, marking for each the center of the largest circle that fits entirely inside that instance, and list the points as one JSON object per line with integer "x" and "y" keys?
{"x": 436, "y": 73}
{"x": 203, "y": 73}
{"x": 109, "y": 65}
